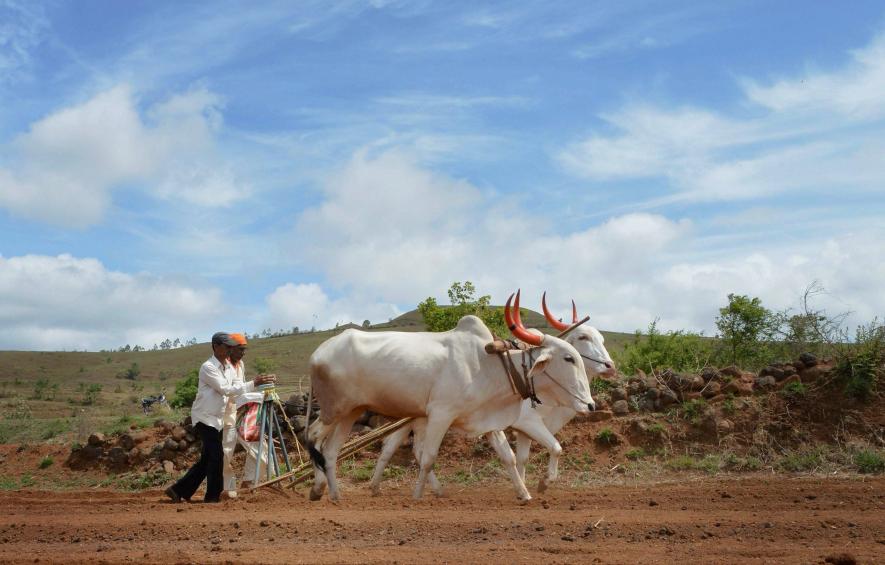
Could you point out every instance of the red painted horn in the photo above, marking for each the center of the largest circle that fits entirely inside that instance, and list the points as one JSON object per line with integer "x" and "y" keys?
{"x": 574, "y": 312}
{"x": 515, "y": 323}
{"x": 554, "y": 323}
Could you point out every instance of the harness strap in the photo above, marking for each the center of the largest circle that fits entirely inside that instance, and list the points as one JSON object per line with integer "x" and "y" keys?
{"x": 519, "y": 383}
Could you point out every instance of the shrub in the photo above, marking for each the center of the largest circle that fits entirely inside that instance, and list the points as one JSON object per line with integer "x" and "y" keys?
{"x": 606, "y": 436}
{"x": 693, "y": 409}
{"x": 46, "y": 462}
{"x": 599, "y": 386}
{"x": 90, "y": 396}
{"x": 634, "y": 454}
{"x": 746, "y": 329}
{"x": 462, "y": 297}
{"x": 869, "y": 461}
{"x": 186, "y": 390}
{"x": 802, "y": 460}
{"x": 680, "y": 351}
{"x": 794, "y": 390}
{"x": 862, "y": 363}
{"x": 263, "y": 365}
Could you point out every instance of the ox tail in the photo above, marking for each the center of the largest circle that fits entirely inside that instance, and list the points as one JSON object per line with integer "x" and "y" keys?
{"x": 319, "y": 461}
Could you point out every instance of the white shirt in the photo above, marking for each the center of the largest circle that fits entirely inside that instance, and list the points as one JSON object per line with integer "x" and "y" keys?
{"x": 215, "y": 387}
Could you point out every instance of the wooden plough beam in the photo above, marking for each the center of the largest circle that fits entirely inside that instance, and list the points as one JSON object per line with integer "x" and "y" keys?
{"x": 357, "y": 444}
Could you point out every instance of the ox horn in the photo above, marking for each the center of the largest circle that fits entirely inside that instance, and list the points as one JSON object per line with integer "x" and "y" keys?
{"x": 574, "y": 312}
{"x": 554, "y": 323}
{"x": 514, "y": 323}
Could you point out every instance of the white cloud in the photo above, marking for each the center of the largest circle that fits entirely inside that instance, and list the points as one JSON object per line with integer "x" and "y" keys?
{"x": 74, "y": 303}
{"x": 308, "y": 306}
{"x": 815, "y": 135}
{"x": 74, "y": 158}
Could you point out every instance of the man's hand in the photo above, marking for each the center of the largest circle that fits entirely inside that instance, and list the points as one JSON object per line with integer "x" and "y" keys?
{"x": 265, "y": 379}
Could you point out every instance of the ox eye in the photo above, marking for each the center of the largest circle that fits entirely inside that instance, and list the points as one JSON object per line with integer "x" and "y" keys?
{"x": 583, "y": 338}
{"x": 569, "y": 359}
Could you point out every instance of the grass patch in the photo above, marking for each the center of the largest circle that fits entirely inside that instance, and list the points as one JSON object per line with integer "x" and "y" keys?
{"x": 137, "y": 481}
{"x": 635, "y": 454}
{"x": 361, "y": 471}
{"x": 599, "y": 386}
{"x": 803, "y": 460}
{"x": 794, "y": 390}
{"x": 709, "y": 463}
{"x": 46, "y": 462}
{"x": 606, "y": 436}
{"x": 869, "y": 461}
{"x": 694, "y": 409}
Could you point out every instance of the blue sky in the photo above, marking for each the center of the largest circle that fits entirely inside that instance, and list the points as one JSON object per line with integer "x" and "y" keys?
{"x": 167, "y": 169}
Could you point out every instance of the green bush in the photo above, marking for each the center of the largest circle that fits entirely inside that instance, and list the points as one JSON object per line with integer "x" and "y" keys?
{"x": 794, "y": 390}
{"x": 46, "y": 462}
{"x": 869, "y": 461}
{"x": 680, "y": 351}
{"x": 186, "y": 390}
{"x": 463, "y": 302}
{"x": 861, "y": 363}
{"x": 606, "y": 436}
{"x": 693, "y": 409}
{"x": 634, "y": 454}
{"x": 263, "y": 366}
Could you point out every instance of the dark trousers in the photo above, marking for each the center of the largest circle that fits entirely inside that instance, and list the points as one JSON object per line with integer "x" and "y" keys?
{"x": 209, "y": 467}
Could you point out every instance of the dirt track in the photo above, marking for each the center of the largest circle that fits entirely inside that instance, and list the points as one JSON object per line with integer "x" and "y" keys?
{"x": 759, "y": 519}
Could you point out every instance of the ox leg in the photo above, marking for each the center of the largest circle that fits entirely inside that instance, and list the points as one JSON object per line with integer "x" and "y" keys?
{"x": 536, "y": 430}
{"x": 388, "y": 447}
{"x": 417, "y": 447}
{"x": 505, "y": 454}
{"x": 332, "y": 446}
{"x": 317, "y": 434}
{"x": 523, "y": 451}
{"x": 433, "y": 436}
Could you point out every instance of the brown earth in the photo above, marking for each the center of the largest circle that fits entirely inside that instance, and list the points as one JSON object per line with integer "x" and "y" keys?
{"x": 758, "y": 518}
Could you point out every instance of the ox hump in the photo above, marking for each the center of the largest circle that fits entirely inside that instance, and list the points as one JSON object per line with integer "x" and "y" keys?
{"x": 473, "y": 325}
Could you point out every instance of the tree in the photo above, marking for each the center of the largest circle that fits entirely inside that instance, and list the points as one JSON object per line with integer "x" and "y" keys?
{"x": 366, "y": 324}
{"x": 746, "y": 328}
{"x": 463, "y": 302}
{"x": 186, "y": 390}
{"x": 263, "y": 365}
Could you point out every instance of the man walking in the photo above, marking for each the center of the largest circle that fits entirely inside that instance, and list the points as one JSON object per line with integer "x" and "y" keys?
{"x": 216, "y": 385}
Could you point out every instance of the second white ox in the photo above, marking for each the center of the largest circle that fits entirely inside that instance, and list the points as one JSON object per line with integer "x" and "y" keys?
{"x": 538, "y": 423}
{"x": 447, "y": 378}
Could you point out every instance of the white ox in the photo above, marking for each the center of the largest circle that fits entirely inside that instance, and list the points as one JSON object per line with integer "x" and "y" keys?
{"x": 447, "y": 378}
{"x": 539, "y": 423}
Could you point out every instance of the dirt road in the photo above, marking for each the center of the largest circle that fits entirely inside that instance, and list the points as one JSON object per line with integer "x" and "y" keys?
{"x": 762, "y": 519}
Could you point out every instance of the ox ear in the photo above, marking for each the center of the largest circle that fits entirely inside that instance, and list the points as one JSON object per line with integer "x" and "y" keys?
{"x": 541, "y": 363}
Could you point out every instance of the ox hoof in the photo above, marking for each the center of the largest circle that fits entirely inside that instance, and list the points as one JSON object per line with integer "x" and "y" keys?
{"x": 315, "y": 495}
{"x": 524, "y": 501}
{"x": 542, "y": 485}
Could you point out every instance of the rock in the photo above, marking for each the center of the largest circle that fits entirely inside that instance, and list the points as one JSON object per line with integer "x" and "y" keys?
{"x": 126, "y": 442}
{"x": 620, "y": 408}
{"x": 598, "y": 416}
{"x": 91, "y": 452}
{"x": 689, "y": 396}
{"x": 134, "y": 454}
{"x": 96, "y": 439}
{"x": 618, "y": 394}
{"x": 808, "y": 360}
{"x": 789, "y": 370}
{"x": 641, "y": 374}
{"x": 138, "y": 437}
{"x": 170, "y": 444}
{"x": 710, "y": 374}
{"x": 724, "y": 426}
{"x": 167, "y": 454}
{"x": 691, "y": 382}
{"x": 178, "y": 433}
{"x": 712, "y": 389}
{"x": 653, "y": 393}
{"x": 668, "y": 397}
{"x": 814, "y": 373}
{"x": 187, "y": 422}
{"x": 731, "y": 371}
{"x": 738, "y": 388}
{"x": 788, "y": 380}
{"x": 190, "y": 438}
{"x": 771, "y": 371}
{"x": 169, "y": 467}
{"x": 117, "y": 456}
{"x": 716, "y": 399}
{"x": 634, "y": 388}
{"x": 767, "y": 382}
{"x": 182, "y": 446}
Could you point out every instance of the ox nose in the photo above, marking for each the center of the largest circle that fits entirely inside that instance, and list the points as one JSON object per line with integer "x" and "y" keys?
{"x": 591, "y": 406}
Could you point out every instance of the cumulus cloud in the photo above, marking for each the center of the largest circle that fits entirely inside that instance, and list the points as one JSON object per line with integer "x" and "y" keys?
{"x": 796, "y": 139}
{"x": 74, "y": 158}
{"x": 308, "y": 306}
{"x": 390, "y": 231}
{"x": 65, "y": 302}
